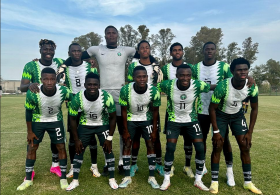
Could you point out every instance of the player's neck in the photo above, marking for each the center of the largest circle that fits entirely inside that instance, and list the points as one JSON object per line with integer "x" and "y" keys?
{"x": 180, "y": 87}
{"x": 209, "y": 62}
{"x": 77, "y": 62}
{"x": 140, "y": 90}
{"x": 45, "y": 62}
{"x": 48, "y": 93}
{"x": 91, "y": 97}
{"x": 145, "y": 61}
{"x": 177, "y": 62}
{"x": 112, "y": 46}
{"x": 237, "y": 84}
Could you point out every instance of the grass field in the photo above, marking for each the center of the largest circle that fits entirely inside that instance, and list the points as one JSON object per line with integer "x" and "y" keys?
{"x": 265, "y": 155}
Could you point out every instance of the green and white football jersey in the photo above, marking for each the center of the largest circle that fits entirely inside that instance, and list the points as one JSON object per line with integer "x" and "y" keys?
{"x": 75, "y": 76}
{"x": 149, "y": 68}
{"x": 32, "y": 70}
{"x": 47, "y": 108}
{"x": 181, "y": 104}
{"x": 138, "y": 105}
{"x": 230, "y": 99}
{"x": 169, "y": 71}
{"x": 212, "y": 75}
{"x": 94, "y": 113}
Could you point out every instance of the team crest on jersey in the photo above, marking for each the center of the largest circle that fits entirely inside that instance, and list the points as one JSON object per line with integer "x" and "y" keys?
{"x": 183, "y": 96}
{"x": 119, "y": 54}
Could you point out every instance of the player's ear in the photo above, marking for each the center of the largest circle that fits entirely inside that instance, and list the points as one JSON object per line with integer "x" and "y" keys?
{"x": 40, "y": 50}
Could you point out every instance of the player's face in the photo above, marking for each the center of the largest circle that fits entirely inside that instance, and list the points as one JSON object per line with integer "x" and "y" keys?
{"x": 140, "y": 78}
{"x": 177, "y": 53}
{"x": 49, "y": 81}
{"x": 144, "y": 50}
{"x": 47, "y": 52}
{"x": 111, "y": 36}
{"x": 184, "y": 76}
{"x": 92, "y": 86}
{"x": 75, "y": 52}
{"x": 209, "y": 51}
{"x": 241, "y": 72}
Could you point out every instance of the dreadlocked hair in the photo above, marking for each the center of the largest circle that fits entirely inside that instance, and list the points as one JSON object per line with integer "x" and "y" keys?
{"x": 46, "y": 41}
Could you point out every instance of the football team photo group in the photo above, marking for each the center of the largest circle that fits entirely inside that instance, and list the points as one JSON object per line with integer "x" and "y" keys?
{"x": 204, "y": 101}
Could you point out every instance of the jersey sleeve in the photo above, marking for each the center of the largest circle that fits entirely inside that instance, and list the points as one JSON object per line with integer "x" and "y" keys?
{"x": 94, "y": 70}
{"x": 253, "y": 93}
{"x": 130, "y": 72}
{"x": 156, "y": 97}
{"x": 194, "y": 69}
{"x": 27, "y": 71}
{"x": 110, "y": 104}
{"x": 93, "y": 50}
{"x": 219, "y": 93}
{"x": 203, "y": 87}
{"x": 163, "y": 86}
{"x": 164, "y": 72}
{"x": 227, "y": 72}
{"x": 74, "y": 105}
{"x": 130, "y": 51}
{"x": 123, "y": 100}
{"x": 29, "y": 102}
{"x": 59, "y": 61}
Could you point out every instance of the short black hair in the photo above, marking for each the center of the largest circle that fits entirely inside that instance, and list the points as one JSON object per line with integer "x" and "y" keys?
{"x": 45, "y": 42}
{"x": 207, "y": 43}
{"x": 110, "y": 26}
{"x": 92, "y": 75}
{"x": 139, "y": 68}
{"x": 175, "y": 44}
{"x": 143, "y": 41}
{"x": 238, "y": 61}
{"x": 48, "y": 70}
{"x": 73, "y": 44}
{"x": 182, "y": 66}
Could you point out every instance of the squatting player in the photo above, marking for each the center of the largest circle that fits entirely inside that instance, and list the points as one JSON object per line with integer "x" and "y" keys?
{"x": 43, "y": 113}
{"x": 226, "y": 109}
{"x": 111, "y": 59}
{"x": 98, "y": 117}
{"x": 182, "y": 119}
{"x": 74, "y": 79}
{"x": 140, "y": 107}
{"x": 154, "y": 76}
{"x": 31, "y": 79}
{"x": 169, "y": 73}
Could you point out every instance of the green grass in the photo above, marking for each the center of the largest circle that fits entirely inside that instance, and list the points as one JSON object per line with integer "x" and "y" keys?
{"x": 265, "y": 157}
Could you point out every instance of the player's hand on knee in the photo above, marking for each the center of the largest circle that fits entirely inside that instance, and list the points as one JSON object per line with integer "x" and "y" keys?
{"x": 107, "y": 146}
{"x": 33, "y": 87}
{"x": 30, "y": 137}
{"x": 217, "y": 140}
{"x": 248, "y": 140}
{"x": 78, "y": 146}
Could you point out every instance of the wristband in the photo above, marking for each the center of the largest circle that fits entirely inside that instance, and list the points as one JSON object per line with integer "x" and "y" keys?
{"x": 109, "y": 138}
{"x": 217, "y": 131}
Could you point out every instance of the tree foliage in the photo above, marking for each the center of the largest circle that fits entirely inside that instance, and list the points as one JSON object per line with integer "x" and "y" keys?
{"x": 128, "y": 36}
{"x": 232, "y": 52}
{"x": 144, "y": 32}
{"x": 88, "y": 40}
{"x": 249, "y": 50}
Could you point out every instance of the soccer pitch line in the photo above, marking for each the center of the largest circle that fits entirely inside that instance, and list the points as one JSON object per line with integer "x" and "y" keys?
{"x": 255, "y": 130}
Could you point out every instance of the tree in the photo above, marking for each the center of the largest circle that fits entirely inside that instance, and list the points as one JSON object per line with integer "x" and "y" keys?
{"x": 88, "y": 40}
{"x": 162, "y": 42}
{"x": 193, "y": 53}
{"x": 249, "y": 50}
{"x": 144, "y": 32}
{"x": 258, "y": 74}
{"x": 128, "y": 36}
{"x": 233, "y": 51}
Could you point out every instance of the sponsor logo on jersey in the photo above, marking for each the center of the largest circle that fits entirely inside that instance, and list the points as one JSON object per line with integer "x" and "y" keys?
{"x": 183, "y": 96}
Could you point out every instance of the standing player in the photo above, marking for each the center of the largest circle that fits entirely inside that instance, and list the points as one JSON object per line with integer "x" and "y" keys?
{"x": 31, "y": 79}
{"x": 225, "y": 109}
{"x": 74, "y": 79}
{"x": 43, "y": 113}
{"x": 140, "y": 106}
{"x": 182, "y": 119}
{"x": 98, "y": 117}
{"x": 111, "y": 59}
{"x": 154, "y": 76}
{"x": 169, "y": 73}
{"x": 212, "y": 71}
